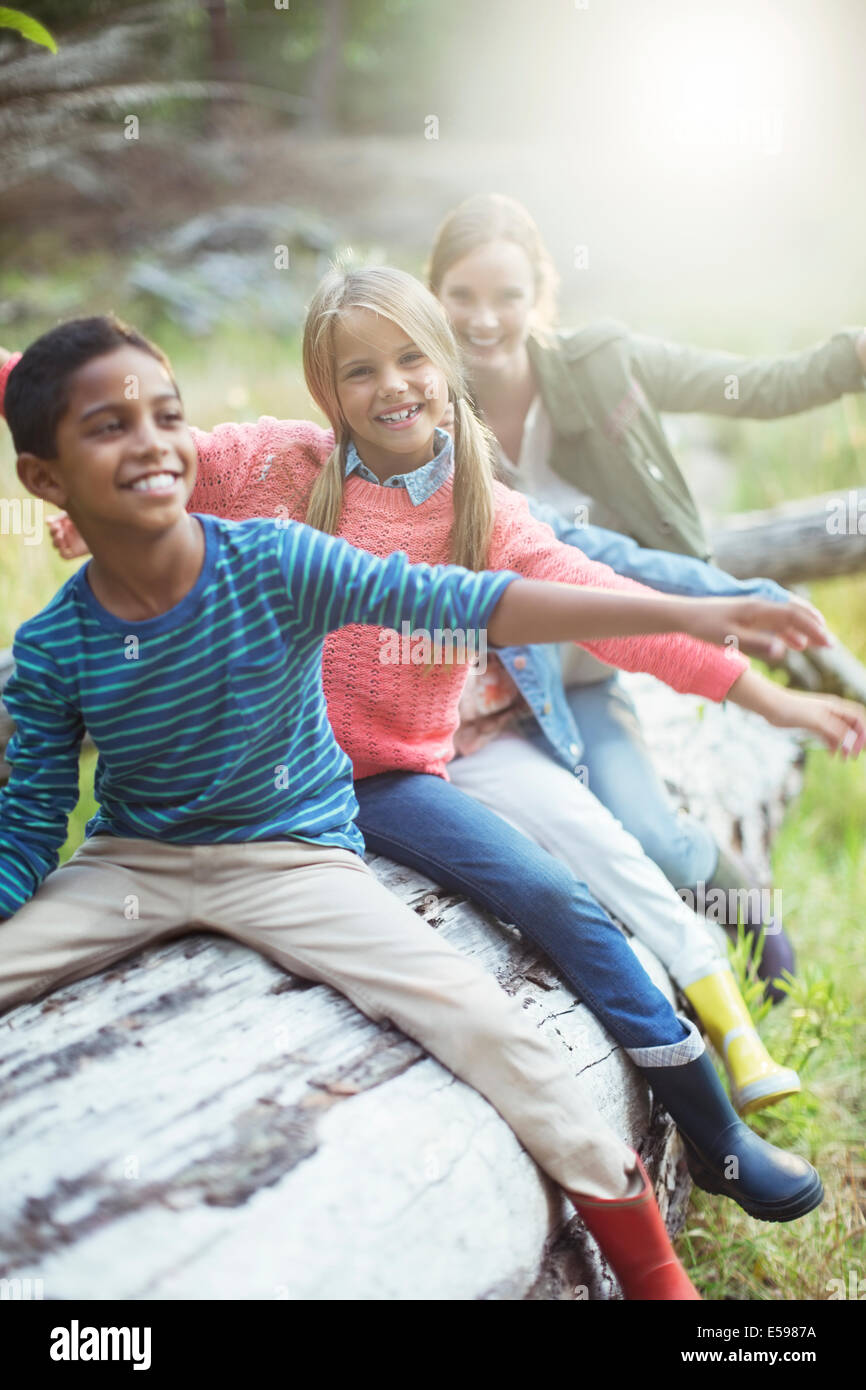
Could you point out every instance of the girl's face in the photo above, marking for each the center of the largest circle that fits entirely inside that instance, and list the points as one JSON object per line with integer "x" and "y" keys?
{"x": 391, "y": 394}
{"x": 489, "y": 296}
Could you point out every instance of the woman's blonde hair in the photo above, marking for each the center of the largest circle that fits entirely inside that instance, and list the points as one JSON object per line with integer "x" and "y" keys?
{"x": 487, "y": 217}
{"x": 402, "y": 299}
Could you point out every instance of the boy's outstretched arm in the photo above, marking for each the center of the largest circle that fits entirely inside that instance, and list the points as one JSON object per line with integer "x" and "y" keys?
{"x": 334, "y": 584}
{"x": 556, "y": 612}
{"x": 43, "y": 787}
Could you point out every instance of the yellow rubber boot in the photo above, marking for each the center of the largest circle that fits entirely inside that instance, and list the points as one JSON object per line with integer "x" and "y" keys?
{"x": 756, "y": 1080}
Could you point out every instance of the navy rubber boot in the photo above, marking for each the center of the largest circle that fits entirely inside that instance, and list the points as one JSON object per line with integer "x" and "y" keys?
{"x": 727, "y": 1158}
{"x": 777, "y": 955}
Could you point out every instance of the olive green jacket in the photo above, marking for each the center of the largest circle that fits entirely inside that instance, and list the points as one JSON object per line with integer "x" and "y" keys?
{"x": 603, "y": 388}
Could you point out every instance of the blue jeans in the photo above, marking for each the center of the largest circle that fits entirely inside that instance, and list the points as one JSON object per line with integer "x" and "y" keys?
{"x": 621, "y": 773}
{"x": 428, "y": 824}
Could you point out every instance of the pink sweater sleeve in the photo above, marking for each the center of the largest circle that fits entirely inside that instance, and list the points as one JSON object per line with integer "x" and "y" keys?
{"x": 4, "y": 377}
{"x": 259, "y": 469}
{"x": 522, "y": 543}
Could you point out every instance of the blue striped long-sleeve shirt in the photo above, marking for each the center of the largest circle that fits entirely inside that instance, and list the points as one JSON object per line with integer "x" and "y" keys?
{"x": 209, "y": 719}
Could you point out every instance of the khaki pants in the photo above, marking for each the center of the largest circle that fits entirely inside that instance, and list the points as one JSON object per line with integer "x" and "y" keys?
{"x": 320, "y": 913}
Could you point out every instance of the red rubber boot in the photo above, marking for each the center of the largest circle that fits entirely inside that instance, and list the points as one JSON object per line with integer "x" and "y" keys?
{"x": 631, "y": 1235}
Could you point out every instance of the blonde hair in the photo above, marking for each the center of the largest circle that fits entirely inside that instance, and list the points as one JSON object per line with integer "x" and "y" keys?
{"x": 403, "y": 300}
{"x": 487, "y": 217}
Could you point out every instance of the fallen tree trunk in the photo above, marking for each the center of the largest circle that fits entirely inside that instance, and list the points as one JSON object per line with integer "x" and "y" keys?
{"x": 812, "y": 538}
{"x": 197, "y": 1124}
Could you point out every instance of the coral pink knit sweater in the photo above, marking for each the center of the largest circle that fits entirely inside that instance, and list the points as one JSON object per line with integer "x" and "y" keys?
{"x": 393, "y": 717}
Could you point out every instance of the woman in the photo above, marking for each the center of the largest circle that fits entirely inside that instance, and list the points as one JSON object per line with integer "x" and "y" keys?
{"x": 576, "y": 417}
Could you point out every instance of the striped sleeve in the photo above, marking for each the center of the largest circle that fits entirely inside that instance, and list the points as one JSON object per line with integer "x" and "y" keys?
{"x": 333, "y": 584}
{"x": 43, "y": 787}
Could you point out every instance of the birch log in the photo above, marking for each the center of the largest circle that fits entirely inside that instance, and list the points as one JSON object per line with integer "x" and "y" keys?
{"x": 812, "y": 538}
{"x": 197, "y": 1124}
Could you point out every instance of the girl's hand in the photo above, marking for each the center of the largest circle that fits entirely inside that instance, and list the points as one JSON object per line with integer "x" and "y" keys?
{"x": 5, "y": 354}
{"x": 488, "y": 704}
{"x": 473, "y": 734}
{"x": 839, "y": 724}
{"x": 758, "y": 627}
{"x": 66, "y": 537}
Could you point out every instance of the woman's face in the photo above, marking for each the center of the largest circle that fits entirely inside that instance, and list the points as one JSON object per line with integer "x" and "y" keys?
{"x": 489, "y": 296}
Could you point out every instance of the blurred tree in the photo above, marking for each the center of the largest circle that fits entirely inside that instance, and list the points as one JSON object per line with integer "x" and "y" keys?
{"x": 329, "y": 65}
{"x": 224, "y": 55}
{"x": 365, "y": 65}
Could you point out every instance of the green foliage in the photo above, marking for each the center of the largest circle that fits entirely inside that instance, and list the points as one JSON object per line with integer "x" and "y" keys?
{"x": 27, "y": 27}
{"x": 86, "y": 805}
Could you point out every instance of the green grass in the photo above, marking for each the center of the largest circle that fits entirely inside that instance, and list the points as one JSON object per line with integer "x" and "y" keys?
{"x": 86, "y": 805}
{"x": 819, "y": 862}
{"x": 819, "y": 858}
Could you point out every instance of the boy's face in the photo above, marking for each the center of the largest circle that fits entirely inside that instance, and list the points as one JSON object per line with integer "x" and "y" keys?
{"x": 125, "y": 455}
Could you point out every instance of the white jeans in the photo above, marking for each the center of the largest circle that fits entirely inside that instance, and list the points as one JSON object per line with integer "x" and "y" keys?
{"x": 545, "y": 801}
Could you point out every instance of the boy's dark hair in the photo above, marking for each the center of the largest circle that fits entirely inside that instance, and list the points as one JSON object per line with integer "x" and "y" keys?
{"x": 37, "y": 391}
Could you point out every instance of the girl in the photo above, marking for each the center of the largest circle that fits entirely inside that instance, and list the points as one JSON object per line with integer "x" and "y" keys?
{"x": 575, "y": 415}
{"x": 382, "y": 363}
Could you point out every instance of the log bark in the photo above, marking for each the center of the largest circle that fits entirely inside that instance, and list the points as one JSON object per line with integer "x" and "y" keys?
{"x": 812, "y": 538}
{"x": 197, "y": 1124}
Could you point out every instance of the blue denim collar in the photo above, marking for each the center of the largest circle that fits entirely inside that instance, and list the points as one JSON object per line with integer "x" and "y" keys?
{"x": 422, "y": 482}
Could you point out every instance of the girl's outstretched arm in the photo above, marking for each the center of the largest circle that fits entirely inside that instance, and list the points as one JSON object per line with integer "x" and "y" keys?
{"x": 521, "y": 543}
{"x": 533, "y": 611}
{"x": 839, "y": 724}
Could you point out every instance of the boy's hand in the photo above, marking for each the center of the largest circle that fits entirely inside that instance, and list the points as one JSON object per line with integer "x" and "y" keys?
{"x": 758, "y": 627}
{"x": 66, "y": 537}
